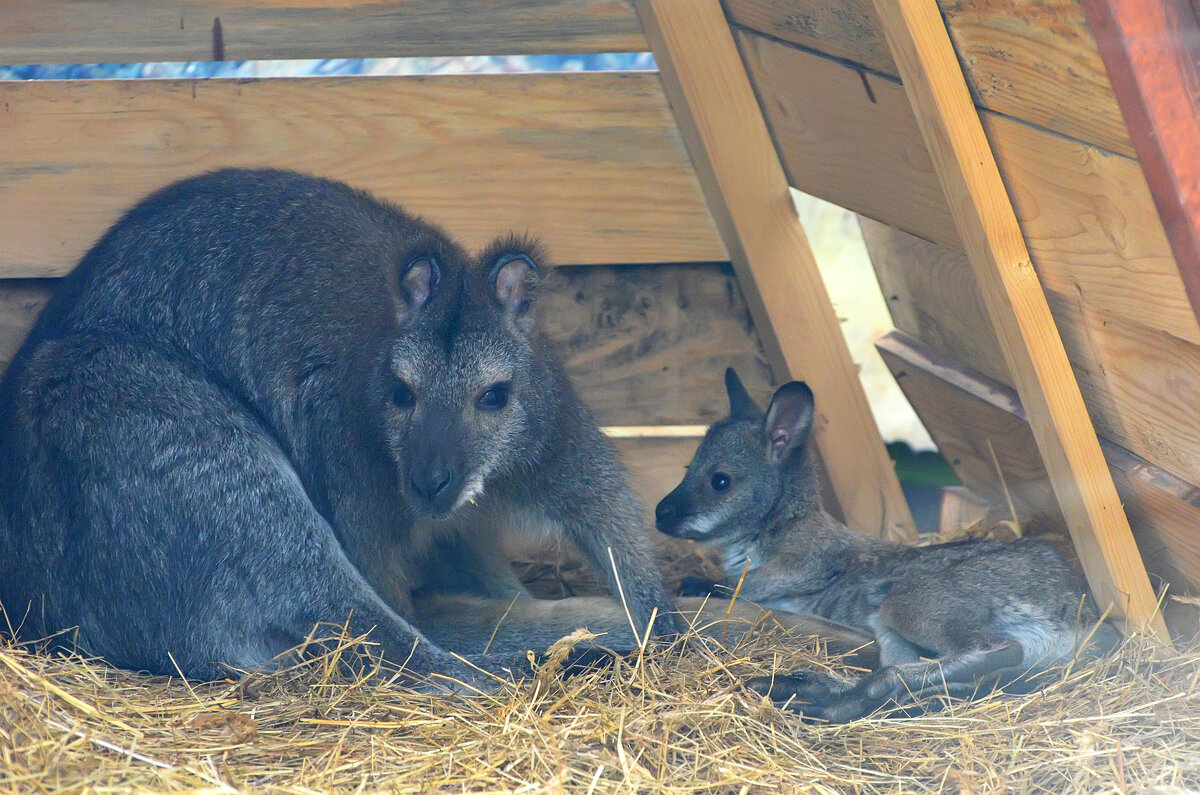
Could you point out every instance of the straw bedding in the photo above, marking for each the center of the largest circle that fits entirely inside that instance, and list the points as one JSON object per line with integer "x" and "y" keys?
{"x": 672, "y": 720}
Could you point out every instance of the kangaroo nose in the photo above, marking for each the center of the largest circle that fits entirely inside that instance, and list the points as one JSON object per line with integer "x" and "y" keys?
{"x": 432, "y": 482}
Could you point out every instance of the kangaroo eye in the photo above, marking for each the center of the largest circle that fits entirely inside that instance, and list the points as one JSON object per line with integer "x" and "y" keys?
{"x": 720, "y": 481}
{"x": 494, "y": 398}
{"x": 402, "y": 396}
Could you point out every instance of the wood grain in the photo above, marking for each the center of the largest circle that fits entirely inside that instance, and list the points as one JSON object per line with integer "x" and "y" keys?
{"x": 1017, "y": 308}
{"x": 1034, "y": 60}
{"x": 1091, "y": 227}
{"x": 645, "y": 345}
{"x": 121, "y": 31}
{"x": 1152, "y": 51}
{"x": 1086, "y": 214}
{"x": 592, "y": 162}
{"x": 848, "y": 137}
{"x": 971, "y": 415}
{"x": 933, "y": 297}
{"x": 748, "y": 195}
{"x": 1140, "y": 384}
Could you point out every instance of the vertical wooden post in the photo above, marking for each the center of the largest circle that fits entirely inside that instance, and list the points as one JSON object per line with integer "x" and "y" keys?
{"x": 1151, "y": 50}
{"x": 748, "y": 196}
{"x": 1017, "y": 308}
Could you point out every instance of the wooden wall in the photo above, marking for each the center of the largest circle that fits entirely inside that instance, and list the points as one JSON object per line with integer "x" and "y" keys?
{"x": 828, "y": 87}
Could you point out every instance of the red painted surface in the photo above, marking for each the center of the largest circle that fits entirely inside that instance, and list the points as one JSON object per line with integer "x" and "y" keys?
{"x": 1151, "y": 49}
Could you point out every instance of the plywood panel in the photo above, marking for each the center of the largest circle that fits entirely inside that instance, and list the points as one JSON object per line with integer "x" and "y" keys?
{"x": 848, "y": 137}
{"x": 645, "y": 345}
{"x": 592, "y": 162}
{"x": 970, "y": 416}
{"x": 1034, "y": 60}
{"x": 649, "y": 345}
{"x": 85, "y": 31}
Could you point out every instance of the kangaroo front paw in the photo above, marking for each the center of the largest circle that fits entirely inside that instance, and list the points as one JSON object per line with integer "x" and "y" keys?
{"x": 697, "y": 586}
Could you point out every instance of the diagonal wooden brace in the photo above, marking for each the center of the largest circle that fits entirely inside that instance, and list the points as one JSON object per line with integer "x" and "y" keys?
{"x": 747, "y": 193}
{"x": 1018, "y": 311}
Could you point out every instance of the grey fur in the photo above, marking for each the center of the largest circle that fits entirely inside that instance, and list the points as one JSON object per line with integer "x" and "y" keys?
{"x": 989, "y": 613}
{"x": 206, "y": 447}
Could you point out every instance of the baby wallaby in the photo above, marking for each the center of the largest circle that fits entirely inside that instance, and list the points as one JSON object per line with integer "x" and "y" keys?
{"x": 953, "y": 618}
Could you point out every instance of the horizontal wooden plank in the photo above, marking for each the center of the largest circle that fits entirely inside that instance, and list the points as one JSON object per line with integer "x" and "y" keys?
{"x": 1140, "y": 384}
{"x": 1034, "y": 60}
{"x": 970, "y": 416}
{"x": 1087, "y": 215}
{"x": 85, "y": 31}
{"x": 591, "y": 162}
{"x": 645, "y": 345}
{"x": 848, "y": 137}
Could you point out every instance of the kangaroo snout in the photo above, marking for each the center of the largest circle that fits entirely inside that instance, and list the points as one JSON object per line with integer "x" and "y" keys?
{"x": 435, "y": 484}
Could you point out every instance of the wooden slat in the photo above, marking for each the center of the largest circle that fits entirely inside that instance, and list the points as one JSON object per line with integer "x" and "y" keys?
{"x": 86, "y": 31}
{"x": 645, "y": 345}
{"x": 1017, "y": 308}
{"x": 1086, "y": 214}
{"x": 1034, "y": 60}
{"x": 747, "y": 192}
{"x": 590, "y": 161}
{"x": 1152, "y": 51}
{"x": 1140, "y": 384}
{"x": 933, "y": 297}
{"x": 971, "y": 416}
{"x": 816, "y": 108}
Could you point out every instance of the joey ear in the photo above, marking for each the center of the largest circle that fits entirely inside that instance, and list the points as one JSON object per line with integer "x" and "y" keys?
{"x": 419, "y": 277}
{"x": 789, "y": 419}
{"x": 741, "y": 405}
{"x": 514, "y": 277}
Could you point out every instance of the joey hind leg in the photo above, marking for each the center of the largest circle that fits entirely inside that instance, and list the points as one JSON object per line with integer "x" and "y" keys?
{"x": 958, "y": 675}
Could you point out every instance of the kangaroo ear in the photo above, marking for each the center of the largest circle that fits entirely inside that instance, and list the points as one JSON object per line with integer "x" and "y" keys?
{"x": 741, "y": 405}
{"x": 789, "y": 419}
{"x": 419, "y": 277}
{"x": 514, "y": 278}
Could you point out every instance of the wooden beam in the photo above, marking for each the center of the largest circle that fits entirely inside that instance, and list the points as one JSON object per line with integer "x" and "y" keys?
{"x": 1018, "y": 310}
{"x": 1140, "y": 383}
{"x": 1151, "y": 49}
{"x": 592, "y": 162}
{"x": 138, "y": 31}
{"x": 747, "y": 193}
{"x": 972, "y": 416}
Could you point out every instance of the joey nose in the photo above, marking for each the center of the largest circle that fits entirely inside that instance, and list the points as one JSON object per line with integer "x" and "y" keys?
{"x": 431, "y": 482}
{"x": 666, "y": 513}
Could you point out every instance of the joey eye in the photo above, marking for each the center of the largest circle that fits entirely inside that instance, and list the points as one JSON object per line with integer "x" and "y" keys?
{"x": 403, "y": 396}
{"x": 719, "y": 482}
{"x": 494, "y": 398}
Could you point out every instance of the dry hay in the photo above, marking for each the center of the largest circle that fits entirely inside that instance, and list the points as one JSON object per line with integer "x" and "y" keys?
{"x": 671, "y": 721}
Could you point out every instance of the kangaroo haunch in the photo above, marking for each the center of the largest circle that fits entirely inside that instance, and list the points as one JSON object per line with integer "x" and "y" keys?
{"x": 265, "y": 400}
{"x": 990, "y": 614}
